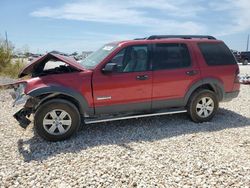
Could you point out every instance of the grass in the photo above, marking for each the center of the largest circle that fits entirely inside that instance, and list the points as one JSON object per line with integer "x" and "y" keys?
{"x": 8, "y": 66}
{"x": 12, "y": 69}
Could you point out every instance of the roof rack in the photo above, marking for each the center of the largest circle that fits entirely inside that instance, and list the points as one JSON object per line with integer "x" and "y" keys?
{"x": 153, "y": 37}
{"x": 144, "y": 38}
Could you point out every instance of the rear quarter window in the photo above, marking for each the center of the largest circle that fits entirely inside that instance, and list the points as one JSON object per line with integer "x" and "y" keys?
{"x": 216, "y": 54}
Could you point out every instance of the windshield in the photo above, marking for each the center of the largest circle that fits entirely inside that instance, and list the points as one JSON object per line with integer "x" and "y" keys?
{"x": 96, "y": 57}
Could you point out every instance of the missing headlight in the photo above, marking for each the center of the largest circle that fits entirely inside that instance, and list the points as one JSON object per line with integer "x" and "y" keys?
{"x": 18, "y": 95}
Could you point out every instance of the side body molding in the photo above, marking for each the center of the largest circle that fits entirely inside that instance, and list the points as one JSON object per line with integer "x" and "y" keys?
{"x": 60, "y": 90}
{"x": 214, "y": 83}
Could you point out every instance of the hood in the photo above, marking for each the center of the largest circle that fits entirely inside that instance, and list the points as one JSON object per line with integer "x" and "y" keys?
{"x": 28, "y": 69}
{"x": 12, "y": 84}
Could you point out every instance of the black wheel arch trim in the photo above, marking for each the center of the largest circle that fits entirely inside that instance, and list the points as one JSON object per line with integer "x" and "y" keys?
{"x": 214, "y": 83}
{"x": 53, "y": 91}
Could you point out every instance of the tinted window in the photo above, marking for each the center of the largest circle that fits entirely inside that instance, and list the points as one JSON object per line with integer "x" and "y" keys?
{"x": 216, "y": 54}
{"x": 132, "y": 59}
{"x": 171, "y": 56}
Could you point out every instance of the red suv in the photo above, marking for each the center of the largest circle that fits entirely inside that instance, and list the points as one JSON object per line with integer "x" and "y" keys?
{"x": 152, "y": 76}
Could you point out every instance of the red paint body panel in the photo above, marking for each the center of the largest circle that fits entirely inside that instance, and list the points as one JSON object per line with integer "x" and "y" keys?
{"x": 123, "y": 88}
{"x": 173, "y": 84}
{"x": 78, "y": 81}
{"x": 226, "y": 74}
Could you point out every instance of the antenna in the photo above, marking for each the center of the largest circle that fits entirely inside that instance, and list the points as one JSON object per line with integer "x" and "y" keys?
{"x": 247, "y": 42}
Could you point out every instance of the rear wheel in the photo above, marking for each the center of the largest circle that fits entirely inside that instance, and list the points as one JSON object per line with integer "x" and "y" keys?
{"x": 56, "y": 120}
{"x": 202, "y": 106}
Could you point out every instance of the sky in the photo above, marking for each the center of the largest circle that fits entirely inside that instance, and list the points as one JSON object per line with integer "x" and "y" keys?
{"x": 85, "y": 25}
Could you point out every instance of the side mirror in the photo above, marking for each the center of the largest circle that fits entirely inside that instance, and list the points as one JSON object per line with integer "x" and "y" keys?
{"x": 109, "y": 67}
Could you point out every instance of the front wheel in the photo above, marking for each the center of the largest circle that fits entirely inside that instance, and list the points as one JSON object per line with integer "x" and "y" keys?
{"x": 56, "y": 120}
{"x": 202, "y": 106}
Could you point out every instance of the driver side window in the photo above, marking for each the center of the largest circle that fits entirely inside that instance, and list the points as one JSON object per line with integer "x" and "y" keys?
{"x": 118, "y": 60}
{"x": 132, "y": 59}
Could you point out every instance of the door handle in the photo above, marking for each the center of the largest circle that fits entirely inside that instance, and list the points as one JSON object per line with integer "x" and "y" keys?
{"x": 142, "y": 77}
{"x": 192, "y": 72}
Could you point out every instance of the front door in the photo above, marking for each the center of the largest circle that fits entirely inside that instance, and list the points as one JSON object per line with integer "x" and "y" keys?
{"x": 129, "y": 87}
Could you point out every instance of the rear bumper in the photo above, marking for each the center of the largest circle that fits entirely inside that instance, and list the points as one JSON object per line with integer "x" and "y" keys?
{"x": 230, "y": 95}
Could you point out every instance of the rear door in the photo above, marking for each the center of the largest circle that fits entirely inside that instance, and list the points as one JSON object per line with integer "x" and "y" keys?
{"x": 129, "y": 88}
{"x": 174, "y": 71}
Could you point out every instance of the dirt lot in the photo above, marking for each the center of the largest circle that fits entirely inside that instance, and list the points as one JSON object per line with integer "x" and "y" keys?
{"x": 167, "y": 151}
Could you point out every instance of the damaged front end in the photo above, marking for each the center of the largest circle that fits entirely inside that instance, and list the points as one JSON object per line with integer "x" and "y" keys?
{"x": 21, "y": 117}
{"x": 20, "y": 98}
{"x": 46, "y": 65}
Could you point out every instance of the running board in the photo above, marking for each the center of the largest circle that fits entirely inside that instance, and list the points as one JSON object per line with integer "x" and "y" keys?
{"x": 134, "y": 116}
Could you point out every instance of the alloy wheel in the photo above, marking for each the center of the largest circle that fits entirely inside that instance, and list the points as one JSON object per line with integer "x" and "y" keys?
{"x": 57, "y": 122}
{"x": 205, "y": 107}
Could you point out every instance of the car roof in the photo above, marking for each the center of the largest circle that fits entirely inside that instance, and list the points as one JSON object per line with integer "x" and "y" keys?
{"x": 169, "y": 40}
{"x": 172, "y": 38}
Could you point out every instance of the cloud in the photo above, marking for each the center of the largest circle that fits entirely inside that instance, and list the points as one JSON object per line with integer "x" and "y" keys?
{"x": 128, "y": 12}
{"x": 242, "y": 14}
{"x": 237, "y": 14}
{"x": 141, "y": 13}
{"x": 218, "y": 18}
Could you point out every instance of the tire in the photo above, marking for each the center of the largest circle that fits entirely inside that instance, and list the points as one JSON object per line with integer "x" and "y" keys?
{"x": 202, "y": 105}
{"x": 56, "y": 120}
{"x": 245, "y": 62}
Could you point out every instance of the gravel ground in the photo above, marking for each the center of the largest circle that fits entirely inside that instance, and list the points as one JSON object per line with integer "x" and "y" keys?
{"x": 167, "y": 151}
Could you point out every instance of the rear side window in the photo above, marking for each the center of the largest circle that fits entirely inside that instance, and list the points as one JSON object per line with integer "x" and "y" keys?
{"x": 171, "y": 56}
{"x": 216, "y": 54}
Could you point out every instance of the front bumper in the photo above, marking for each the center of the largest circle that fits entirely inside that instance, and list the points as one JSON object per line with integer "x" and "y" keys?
{"x": 18, "y": 100}
{"x": 22, "y": 115}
